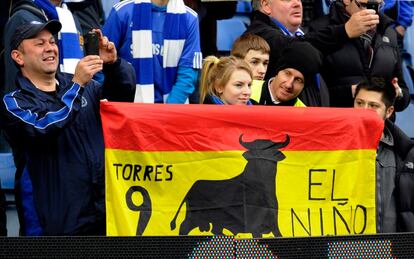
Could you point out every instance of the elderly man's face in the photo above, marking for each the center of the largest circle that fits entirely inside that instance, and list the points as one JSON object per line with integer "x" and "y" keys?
{"x": 288, "y": 12}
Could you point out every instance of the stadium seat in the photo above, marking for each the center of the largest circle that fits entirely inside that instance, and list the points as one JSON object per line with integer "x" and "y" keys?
{"x": 243, "y": 10}
{"x": 409, "y": 41}
{"x": 7, "y": 170}
{"x": 243, "y": 7}
{"x": 404, "y": 120}
{"x": 227, "y": 32}
{"x": 407, "y": 58}
{"x": 407, "y": 72}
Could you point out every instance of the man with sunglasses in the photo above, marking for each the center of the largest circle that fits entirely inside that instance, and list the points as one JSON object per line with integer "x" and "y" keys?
{"x": 374, "y": 53}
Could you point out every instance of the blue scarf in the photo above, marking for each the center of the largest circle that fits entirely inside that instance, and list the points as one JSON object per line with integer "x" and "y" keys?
{"x": 174, "y": 39}
{"x": 285, "y": 31}
{"x": 217, "y": 100}
{"x": 70, "y": 51}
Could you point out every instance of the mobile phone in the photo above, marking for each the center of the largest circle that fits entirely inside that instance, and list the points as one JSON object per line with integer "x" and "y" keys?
{"x": 373, "y": 4}
{"x": 91, "y": 44}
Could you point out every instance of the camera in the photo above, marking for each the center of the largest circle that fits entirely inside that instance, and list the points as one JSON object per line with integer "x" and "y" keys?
{"x": 373, "y": 4}
{"x": 91, "y": 44}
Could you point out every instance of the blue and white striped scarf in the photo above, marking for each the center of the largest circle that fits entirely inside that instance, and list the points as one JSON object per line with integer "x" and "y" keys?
{"x": 70, "y": 51}
{"x": 174, "y": 40}
{"x": 285, "y": 31}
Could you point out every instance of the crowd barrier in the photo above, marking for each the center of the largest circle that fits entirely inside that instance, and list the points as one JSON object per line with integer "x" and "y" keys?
{"x": 356, "y": 246}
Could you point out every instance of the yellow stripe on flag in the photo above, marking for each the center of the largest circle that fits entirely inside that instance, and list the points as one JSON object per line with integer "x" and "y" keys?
{"x": 147, "y": 188}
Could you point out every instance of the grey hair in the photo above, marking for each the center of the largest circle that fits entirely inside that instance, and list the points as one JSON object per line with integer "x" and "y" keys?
{"x": 256, "y": 4}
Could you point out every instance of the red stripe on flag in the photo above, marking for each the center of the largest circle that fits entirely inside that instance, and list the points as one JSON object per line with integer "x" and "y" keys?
{"x": 161, "y": 127}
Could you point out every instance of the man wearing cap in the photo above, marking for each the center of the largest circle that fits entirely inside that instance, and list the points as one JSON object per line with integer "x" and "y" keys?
{"x": 53, "y": 120}
{"x": 297, "y": 66}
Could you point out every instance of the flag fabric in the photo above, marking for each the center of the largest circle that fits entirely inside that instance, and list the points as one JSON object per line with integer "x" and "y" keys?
{"x": 239, "y": 170}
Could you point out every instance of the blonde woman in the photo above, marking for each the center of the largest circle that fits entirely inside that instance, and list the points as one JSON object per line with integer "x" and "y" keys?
{"x": 225, "y": 81}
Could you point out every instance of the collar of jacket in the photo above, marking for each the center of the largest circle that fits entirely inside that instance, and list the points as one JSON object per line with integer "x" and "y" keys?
{"x": 26, "y": 85}
{"x": 257, "y": 15}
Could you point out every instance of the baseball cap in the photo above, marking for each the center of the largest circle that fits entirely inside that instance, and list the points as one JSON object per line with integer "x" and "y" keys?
{"x": 31, "y": 29}
{"x": 301, "y": 56}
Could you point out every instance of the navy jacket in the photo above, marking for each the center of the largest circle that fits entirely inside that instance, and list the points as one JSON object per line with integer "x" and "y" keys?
{"x": 60, "y": 135}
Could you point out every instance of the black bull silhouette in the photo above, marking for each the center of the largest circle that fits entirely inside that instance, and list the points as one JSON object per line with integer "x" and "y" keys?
{"x": 244, "y": 204}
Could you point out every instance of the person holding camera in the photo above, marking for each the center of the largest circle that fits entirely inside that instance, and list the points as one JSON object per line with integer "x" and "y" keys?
{"x": 53, "y": 120}
{"x": 374, "y": 53}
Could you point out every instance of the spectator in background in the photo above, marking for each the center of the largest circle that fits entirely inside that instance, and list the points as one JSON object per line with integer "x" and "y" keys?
{"x": 53, "y": 119}
{"x": 278, "y": 22}
{"x": 401, "y": 11}
{"x": 255, "y": 51}
{"x": 225, "y": 81}
{"x": 297, "y": 66}
{"x": 167, "y": 72}
{"x": 312, "y": 9}
{"x": 395, "y": 159}
{"x": 374, "y": 53}
{"x": 209, "y": 12}
{"x": 88, "y": 12}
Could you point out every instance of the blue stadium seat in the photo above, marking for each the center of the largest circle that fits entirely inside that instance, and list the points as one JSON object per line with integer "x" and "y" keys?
{"x": 227, "y": 32}
{"x": 409, "y": 40}
{"x": 243, "y": 10}
{"x": 408, "y": 77}
{"x": 7, "y": 171}
{"x": 405, "y": 118}
{"x": 407, "y": 60}
{"x": 243, "y": 7}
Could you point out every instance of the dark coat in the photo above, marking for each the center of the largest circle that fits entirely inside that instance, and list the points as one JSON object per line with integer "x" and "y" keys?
{"x": 404, "y": 156}
{"x": 349, "y": 65}
{"x": 59, "y": 184}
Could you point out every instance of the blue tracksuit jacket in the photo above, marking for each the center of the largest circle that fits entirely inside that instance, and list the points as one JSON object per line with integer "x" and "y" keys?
{"x": 61, "y": 186}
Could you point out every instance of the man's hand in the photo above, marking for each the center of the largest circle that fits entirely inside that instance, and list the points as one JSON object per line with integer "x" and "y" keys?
{"x": 361, "y": 22}
{"x": 86, "y": 69}
{"x": 107, "y": 50}
{"x": 400, "y": 30}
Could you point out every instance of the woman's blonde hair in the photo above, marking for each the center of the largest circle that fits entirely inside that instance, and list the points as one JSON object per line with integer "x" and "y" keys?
{"x": 217, "y": 72}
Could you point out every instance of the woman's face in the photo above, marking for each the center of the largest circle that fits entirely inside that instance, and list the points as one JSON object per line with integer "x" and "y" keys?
{"x": 237, "y": 90}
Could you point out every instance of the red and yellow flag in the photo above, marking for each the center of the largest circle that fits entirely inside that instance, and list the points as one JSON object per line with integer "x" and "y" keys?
{"x": 239, "y": 170}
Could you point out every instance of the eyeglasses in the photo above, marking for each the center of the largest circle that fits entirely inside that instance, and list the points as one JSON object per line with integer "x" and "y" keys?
{"x": 369, "y": 5}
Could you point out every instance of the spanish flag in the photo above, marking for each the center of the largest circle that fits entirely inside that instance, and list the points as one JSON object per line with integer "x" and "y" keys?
{"x": 239, "y": 170}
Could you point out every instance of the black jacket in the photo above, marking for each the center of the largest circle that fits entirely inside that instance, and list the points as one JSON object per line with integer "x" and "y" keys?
{"x": 404, "y": 155}
{"x": 349, "y": 65}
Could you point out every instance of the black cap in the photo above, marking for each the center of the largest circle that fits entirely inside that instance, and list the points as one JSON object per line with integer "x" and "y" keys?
{"x": 31, "y": 29}
{"x": 301, "y": 56}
